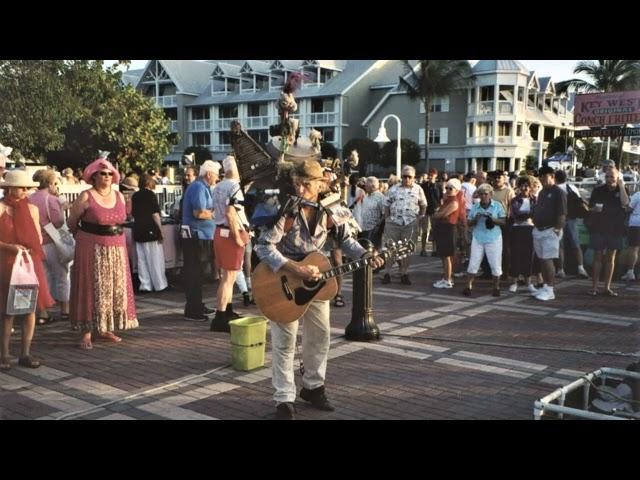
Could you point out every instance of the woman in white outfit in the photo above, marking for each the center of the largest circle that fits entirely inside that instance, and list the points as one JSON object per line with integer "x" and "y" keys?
{"x": 147, "y": 233}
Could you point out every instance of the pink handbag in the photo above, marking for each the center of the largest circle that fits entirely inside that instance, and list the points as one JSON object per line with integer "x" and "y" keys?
{"x": 23, "y": 287}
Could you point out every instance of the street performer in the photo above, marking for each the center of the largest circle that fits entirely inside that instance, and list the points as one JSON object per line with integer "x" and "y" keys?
{"x": 298, "y": 232}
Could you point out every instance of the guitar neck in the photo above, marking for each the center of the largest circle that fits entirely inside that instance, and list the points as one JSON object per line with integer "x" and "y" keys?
{"x": 351, "y": 266}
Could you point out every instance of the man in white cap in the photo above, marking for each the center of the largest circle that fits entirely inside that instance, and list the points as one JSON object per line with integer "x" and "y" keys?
{"x": 198, "y": 229}
{"x": 405, "y": 208}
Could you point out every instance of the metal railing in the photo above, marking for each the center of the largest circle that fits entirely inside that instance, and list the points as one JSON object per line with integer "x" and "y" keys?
{"x": 505, "y": 107}
{"x": 224, "y": 123}
{"x": 256, "y": 122}
{"x": 321, "y": 118}
{"x": 221, "y": 148}
{"x": 485, "y": 108}
{"x": 200, "y": 125}
{"x": 166, "y": 101}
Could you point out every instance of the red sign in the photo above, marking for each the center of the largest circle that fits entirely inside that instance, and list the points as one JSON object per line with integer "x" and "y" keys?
{"x": 600, "y": 109}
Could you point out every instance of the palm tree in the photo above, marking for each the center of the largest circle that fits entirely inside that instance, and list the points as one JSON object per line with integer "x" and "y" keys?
{"x": 607, "y": 76}
{"x": 430, "y": 79}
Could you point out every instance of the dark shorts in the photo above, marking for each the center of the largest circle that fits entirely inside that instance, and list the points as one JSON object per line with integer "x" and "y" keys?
{"x": 444, "y": 236}
{"x": 634, "y": 236}
{"x": 570, "y": 237}
{"x": 600, "y": 241}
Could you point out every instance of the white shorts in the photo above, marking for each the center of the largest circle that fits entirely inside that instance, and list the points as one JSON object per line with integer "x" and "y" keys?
{"x": 546, "y": 243}
{"x": 493, "y": 251}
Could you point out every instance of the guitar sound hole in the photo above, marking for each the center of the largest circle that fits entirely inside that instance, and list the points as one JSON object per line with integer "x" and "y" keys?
{"x": 311, "y": 284}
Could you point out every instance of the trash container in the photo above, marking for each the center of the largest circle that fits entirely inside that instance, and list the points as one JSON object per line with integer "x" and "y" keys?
{"x": 248, "y": 338}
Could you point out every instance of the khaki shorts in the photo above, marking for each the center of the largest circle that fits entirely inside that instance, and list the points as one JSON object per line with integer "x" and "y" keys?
{"x": 401, "y": 232}
{"x": 546, "y": 243}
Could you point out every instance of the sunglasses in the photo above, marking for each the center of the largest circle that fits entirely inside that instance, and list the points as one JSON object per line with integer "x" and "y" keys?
{"x": 448, "y": 188}
{"x": 407, "y": 176}
{"x": 106, "y": 174}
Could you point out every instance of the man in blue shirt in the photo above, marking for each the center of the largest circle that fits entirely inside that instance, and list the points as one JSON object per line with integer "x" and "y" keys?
{"x": 197, "y": 215}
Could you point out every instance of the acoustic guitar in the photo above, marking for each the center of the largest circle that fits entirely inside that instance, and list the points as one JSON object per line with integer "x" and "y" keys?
{"x": 283, "y": 297}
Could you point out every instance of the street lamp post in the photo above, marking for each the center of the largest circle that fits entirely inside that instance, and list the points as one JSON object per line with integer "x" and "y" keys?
{"x": 383, "y": 138}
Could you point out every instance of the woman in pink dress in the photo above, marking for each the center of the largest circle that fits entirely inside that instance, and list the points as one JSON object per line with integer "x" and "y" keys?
{"x": 101, "y": 291}
{"x": 19, "y": 230}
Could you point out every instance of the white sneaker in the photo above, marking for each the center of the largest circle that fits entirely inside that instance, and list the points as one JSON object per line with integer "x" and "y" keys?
{"x": 442, "y": 283}
{"x": 582, "y": 273}
{"x": 560, "y": 274}
{"x": 545, "y": 294}
{"x": 532, "y": 289}
{"x": 513, "y": 288}
{"x": 629, "y": 276}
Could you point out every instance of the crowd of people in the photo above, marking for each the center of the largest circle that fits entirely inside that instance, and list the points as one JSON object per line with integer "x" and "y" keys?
{"x": 515, "y": 227}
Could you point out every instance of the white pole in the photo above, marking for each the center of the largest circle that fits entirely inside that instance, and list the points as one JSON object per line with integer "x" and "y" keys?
{"x": 398, "y": 146}
{"x": 608, "y": 147}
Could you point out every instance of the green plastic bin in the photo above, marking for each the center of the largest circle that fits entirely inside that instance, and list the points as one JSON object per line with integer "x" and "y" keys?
{"x": 248, "y": 339}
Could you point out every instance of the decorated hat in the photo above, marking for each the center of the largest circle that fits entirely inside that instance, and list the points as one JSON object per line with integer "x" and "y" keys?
{"x": 98, "y": 165}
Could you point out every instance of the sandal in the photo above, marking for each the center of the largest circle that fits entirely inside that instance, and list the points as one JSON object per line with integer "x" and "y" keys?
{"x": 43, "y": 320}
{"x": 28, "y": 362}
{"x": 610, "y": 293}
{"x": 85, "y": 343}
{"x": 593, "y": 293}
{"x": 5, "y": 364}
{"x": 338, "y": 301}
{"x": 111, "y": 337}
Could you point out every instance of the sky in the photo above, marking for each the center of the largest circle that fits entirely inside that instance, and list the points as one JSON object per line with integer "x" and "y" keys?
{"x": 558, "y": 70}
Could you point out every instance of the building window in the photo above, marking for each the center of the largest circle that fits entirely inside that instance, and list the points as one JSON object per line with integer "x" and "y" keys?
{"x": 472, "y": 95}
{"x": 470, "y": 129}
{"x": 326, "y": 75}
{"x": 519, "y": 130}
{"x": 487, "y": 93}
{"x": 531, "y": 100}
{"x": 202, "y": 139}
{"x": 218, "y": 85}
{"x": 485, "y": 129}
{"x": 257, "y": 109}
{"x": 262, "y": 82}
{"x": 224, "y": 138}
{"x": 233, "y": 85}
{"x": 321, "y": 105}
{"x": 504, "y": 129}
{"x": 505, "y": 93}
{"x": 260, "y": 136}
{"x": 202, "y": 113}
{"x": 228, "y": 111}
{"x": 521, "y": 94}
{"x": 328, "y": 133}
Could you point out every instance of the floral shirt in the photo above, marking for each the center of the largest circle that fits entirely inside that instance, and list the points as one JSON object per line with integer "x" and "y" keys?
{"x": 372, "y": 211}
{"x": 404, "y": 203}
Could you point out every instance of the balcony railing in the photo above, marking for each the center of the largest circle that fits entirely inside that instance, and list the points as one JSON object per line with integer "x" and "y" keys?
{"x": 166, "y": 101}
{"x": 505, "y": 108}
{"x": 221, "y": 148}
{"x": 256, "y": 122}
{"x": 480, "y": 140}
{"x": 223, "y": 123}
{"x": 200, "y": 125}
{"x": 504, "y": 139}
{"x": 321, "y": 118}
{"x": 311, "y": 84}
{"x": 485, "y": 108}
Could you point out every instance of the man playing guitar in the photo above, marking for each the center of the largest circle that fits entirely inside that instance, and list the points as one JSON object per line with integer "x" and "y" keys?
{"x": 296, "y": 234}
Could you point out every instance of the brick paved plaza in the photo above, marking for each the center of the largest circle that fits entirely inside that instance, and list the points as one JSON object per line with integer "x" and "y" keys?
{"x": 432, "y": 363}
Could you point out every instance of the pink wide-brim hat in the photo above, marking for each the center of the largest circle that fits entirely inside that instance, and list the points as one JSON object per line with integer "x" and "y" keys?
{"x": 98, "y": 165}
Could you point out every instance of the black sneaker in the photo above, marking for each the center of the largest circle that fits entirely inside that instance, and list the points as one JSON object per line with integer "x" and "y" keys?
{"x": 404, "y": 280}
{"x": 195, "y": 317}
{"x": 285, "y": 411}
{"x": 467, "y": 292}
{"x": 231, "y": 315}
{"x": 247, "y": 300}
{"x": 208, "y": 311}
{"x": 386, "y": 279}
{"x": 496, "y": 292}
{"x": 317, "y": 398}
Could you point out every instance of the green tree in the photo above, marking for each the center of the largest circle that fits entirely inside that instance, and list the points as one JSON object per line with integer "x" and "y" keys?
{"x": 409, "y": 153}
{"x": 202, "y": 153}
{"x": 606, "y": 76}
{"x": 559, "y": 144}
{"x": 368, "y": 152}
{"x": 35, "y": 105}
{"x": 75, "y": 108}
{"x": 431, "y": 79}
